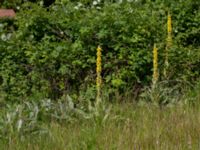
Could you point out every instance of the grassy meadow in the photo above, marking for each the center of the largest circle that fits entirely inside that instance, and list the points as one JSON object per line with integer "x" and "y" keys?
{"x": 126, "y": 127}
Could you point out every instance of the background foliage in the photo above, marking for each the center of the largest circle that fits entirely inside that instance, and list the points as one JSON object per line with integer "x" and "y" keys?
{"x": 50, "y": 51}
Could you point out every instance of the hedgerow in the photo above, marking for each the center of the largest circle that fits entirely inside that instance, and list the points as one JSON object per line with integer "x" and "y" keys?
{"x": 52, "y": 51}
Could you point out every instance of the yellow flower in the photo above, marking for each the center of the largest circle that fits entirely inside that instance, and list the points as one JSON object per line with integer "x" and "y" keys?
{"x": 169, "y": 23}
{"x": 169, "y": 30}
{"x": 98, "y": 72}
{"x": 155, "y": 64}
{"x": 169, "y": 43}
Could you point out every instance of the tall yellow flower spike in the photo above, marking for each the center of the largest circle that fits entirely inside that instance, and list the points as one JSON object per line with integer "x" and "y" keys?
{"x": 169, "y": 42}
{"x": 155, "y": 65}
{"x": 98, "y": 72}
{"x": 169, "y": 30}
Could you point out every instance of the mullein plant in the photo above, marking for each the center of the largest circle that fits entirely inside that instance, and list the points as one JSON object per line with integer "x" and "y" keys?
{"x": 155, "y": 66}
{"x": 169, "y": 43}
{"x": 98, "y": 73}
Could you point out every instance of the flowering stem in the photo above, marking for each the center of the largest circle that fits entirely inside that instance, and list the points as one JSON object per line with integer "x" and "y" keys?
{"x": 98, "y": 78}
{"x": 155, "y": 65}
{"x": 169, "y": 43}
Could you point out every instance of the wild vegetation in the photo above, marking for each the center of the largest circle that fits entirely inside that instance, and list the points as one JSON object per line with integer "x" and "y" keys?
{"x": 100, "y": 74}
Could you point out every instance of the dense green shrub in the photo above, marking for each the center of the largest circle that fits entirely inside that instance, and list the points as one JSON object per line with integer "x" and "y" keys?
{"x": 16, "y": 4}
{"x": 53, "y": 51}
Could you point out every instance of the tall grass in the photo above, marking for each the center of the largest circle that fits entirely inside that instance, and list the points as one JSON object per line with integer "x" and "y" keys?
{"x": 64, "y": 125}
{"x": 128, "y": 127}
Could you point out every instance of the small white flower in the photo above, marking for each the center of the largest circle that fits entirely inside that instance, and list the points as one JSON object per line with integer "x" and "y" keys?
{"x": 3, "y": 37}
{"x": 80, "y": 4}
{"x": 120, "y": 1}
{"x": 95, "y": 2}
{"x": 76, "y": 7}
{"x": 9, "y": 36}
